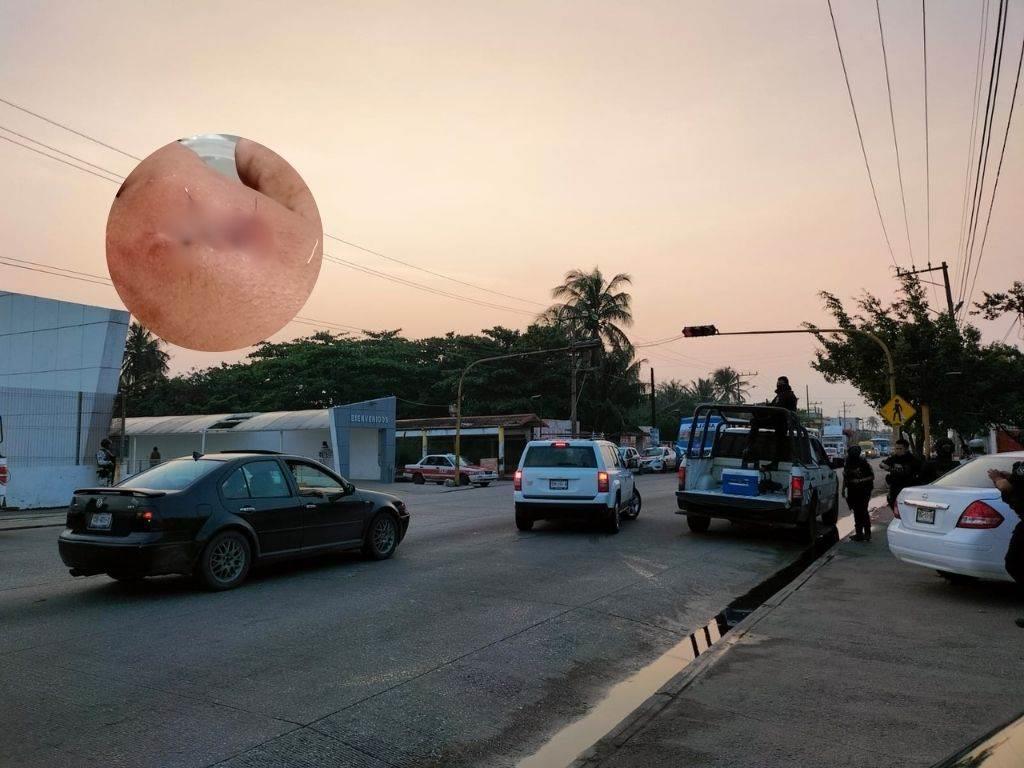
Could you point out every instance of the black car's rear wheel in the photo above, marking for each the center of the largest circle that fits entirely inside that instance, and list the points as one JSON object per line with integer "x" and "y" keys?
{"x": 225, "y": 561}
{"x": 381, "y": 539}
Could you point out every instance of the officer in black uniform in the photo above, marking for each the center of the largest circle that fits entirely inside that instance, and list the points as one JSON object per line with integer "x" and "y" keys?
{"x": 1011, "y": 487}
{"x": 943, "y": 462}
{"x": 858, "y": 482}
{"x": 786, "y": 398}
{"x": 902, "y": 467}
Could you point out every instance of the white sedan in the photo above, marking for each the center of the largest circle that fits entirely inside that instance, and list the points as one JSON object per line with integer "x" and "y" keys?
{"x": 959, "y": 525}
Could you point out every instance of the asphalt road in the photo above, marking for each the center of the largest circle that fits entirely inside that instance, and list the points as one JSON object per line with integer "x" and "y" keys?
{"x": 472, "y": 646}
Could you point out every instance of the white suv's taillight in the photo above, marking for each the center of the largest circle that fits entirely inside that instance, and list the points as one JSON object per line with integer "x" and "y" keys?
{"x": 979, "y": 515}
{"x": 517, "y": 480}
{"x": 602, "y": 482}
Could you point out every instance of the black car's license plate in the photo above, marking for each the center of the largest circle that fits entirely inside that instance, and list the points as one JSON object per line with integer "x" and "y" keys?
{"x": 100, "y": 521}
{"x": 558, "y": 485}
{"x": 926, "y": 516}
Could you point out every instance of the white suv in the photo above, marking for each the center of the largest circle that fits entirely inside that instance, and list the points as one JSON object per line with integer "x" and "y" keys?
{"x": 574, "y": 478}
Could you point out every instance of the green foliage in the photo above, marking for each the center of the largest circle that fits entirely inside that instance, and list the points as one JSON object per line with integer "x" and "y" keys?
{"x": 145, "y": 362}
{"x": 968, "y": 386}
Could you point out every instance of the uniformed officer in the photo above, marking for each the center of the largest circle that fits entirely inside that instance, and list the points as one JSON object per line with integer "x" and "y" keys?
{"x": 1011, "y": 487}
{"x": 942, "y": 463}
{"x": 858, "y": 482}
{"x": 902, "y": 467}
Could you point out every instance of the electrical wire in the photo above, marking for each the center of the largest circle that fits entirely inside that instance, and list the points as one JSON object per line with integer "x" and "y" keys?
{"x": 860, "y": 135}
{"x": 999, "y": 170}
{"x": 68, "y": 128}
{"x": 986, "y": 141}
{"x": 59, "y": 160}
{"x": 982, "y": 34}
{"x": 895, "y": 141}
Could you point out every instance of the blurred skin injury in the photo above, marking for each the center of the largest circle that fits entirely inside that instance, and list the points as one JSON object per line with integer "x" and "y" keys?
{"x": 205, "y": 262}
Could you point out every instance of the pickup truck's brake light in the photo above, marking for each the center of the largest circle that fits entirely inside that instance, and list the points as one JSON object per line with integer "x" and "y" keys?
{"x": 796, "y": 488}
{"x": 517, "y": 480}
{"x": 602, "y": 482}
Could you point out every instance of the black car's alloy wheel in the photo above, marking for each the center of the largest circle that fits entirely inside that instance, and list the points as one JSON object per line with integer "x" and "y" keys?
{"x": 381, "y": 537}
{"x": 226, "y": 560}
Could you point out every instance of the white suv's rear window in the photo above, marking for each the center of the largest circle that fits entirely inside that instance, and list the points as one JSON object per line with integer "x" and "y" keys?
{"x": 579, "y": 456}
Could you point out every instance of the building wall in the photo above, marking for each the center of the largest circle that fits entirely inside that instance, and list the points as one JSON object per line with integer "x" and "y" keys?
{"x": 59, "y": 369}
{"x": 375, "y": 415}
{"x": 364, "y": 449}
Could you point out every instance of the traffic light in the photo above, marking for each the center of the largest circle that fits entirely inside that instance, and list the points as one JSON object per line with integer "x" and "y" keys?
{"x": 699, "y": 330}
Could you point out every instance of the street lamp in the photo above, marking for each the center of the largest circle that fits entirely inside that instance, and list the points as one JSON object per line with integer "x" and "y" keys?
{"x": 691, "y": 331}
{"x": 576, "y": 346}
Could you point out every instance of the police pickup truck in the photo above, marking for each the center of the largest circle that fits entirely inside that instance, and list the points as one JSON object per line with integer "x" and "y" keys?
{"x": 784, "y": 478}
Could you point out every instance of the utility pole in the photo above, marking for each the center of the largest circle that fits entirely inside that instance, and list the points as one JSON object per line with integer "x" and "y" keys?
{"x": 944, "y": 269}
{"x": 741, "y": 376}
{"x": 572, "y": 408}
{"x": 654, "y": 415}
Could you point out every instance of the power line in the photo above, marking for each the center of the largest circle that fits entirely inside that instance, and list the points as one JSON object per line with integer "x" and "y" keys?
{"x": 982, "y": 33}
{"x": 68, "y": 128}
{"x": 59, "y": 160}
{"x": 999, "y": 170}
{"x": 59, "y": 151}
{"x": 860, "y": 135}
{"x": 892, "y": 120}
{"x": 986, "y": 141}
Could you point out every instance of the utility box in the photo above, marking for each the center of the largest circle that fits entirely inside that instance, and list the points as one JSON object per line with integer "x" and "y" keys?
{"x": 741, "y": 482}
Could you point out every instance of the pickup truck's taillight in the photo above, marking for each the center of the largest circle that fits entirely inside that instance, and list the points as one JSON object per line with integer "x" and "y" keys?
{"x": 682, "y": 477}
{"x": 602, "y": 482}
{"x": 517, "y": 480}
{"x": 796, "y": 488}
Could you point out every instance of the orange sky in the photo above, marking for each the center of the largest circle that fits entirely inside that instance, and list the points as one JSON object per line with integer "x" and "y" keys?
{"x": 705, "y": 148}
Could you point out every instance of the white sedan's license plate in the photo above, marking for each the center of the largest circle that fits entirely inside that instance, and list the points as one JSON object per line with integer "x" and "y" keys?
{"x": 100, "y": 521}
{"x": 558, "y": 485}
{"x": 926, "y": 516}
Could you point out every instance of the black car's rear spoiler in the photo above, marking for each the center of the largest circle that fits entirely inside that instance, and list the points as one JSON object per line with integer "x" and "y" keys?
{"x": 145, "y": 492}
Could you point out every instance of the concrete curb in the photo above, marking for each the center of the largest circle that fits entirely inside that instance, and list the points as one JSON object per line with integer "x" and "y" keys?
{"x": 650, "y": 709}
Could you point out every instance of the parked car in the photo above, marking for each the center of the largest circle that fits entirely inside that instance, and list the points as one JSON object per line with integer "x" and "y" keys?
{"x": 439, "y": 468}
{"x": 215, "y": 515}
{"x": 794, "y": 482}
{"x": 574, "y": 478}
{"x": 630, "y": 456}
{"x": 660, "y": 459}
{"x": 959, "y": 525}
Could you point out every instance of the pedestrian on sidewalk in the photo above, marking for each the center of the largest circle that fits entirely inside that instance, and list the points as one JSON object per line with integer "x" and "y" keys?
{"x": 858, "y": 482}
{"x": 1011, "y": 488}
{"x": 902, "y": 467}
{"x": 325, "y": 454}
{"x": 154, "y": 457}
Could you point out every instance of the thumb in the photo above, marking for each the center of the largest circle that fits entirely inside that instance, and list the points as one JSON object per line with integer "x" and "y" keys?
{"x": 269, "y": 173}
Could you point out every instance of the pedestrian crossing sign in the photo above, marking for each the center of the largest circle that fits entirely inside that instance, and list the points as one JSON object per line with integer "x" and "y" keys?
{"x": 898, "y": 411}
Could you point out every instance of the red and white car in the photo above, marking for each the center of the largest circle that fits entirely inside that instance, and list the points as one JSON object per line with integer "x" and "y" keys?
{"x": 959, "y": 525}
{"x": 439, "y": 468}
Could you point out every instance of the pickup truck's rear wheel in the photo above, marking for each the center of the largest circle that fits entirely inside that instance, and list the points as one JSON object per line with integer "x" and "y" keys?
{"x": 810, "y": 531}
{"x": 698, "y": 523}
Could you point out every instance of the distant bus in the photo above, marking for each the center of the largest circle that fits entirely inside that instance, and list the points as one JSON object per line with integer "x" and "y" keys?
{"x": 686, "y": 426}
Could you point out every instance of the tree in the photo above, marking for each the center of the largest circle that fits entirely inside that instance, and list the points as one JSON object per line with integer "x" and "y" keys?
{"x": 873, "y": 423}
{"x": 145, "y": 361}
{"x": 592, "y": 308}
{"x": 703, "y": 390}
{"x": 967, "y": 386}
{"x": 729, "y": 385}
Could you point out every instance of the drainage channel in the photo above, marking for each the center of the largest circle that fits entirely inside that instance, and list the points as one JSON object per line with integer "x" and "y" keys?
{"x": 570, "y": 742}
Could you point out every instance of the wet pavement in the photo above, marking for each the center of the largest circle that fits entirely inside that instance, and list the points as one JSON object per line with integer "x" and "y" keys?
{"x": 860, "y": 661}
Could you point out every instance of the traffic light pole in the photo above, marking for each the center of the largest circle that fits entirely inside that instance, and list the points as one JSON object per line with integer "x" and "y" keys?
{"x": 710, "y": 330}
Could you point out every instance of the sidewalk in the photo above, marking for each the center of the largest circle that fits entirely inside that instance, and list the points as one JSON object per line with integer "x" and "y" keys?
{"x": 16, "y": 519}
{"x": 862, "y": 661}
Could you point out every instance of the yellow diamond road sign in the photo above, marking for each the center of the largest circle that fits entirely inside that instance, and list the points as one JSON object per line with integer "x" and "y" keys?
{"x": 898, "y": 411}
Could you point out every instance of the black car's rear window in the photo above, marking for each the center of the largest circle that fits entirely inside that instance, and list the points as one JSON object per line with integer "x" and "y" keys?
{"x": 173, "y": 475}
{"x": 581, "y": 456}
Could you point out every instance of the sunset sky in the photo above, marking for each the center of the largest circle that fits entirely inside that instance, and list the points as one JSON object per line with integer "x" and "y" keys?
{"x": 707, "y": 149}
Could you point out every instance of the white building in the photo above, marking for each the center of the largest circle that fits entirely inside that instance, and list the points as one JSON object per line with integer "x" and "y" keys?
{"x": 59, "y": 369}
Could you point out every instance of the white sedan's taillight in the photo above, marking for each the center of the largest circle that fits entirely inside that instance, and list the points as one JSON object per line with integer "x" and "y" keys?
{"x": 979, "y": 515}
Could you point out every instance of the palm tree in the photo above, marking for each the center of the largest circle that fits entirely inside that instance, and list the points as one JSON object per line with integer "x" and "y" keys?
{"x": 730, "y": 385}
{"x": 873, "y": 423}
{"x": 144, "y": 360}
{"x": 592, "y": 308}
{"x": 703, "y": 390}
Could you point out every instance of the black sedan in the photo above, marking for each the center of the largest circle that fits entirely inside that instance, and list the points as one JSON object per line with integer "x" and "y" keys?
{"x": 214, "y": 515}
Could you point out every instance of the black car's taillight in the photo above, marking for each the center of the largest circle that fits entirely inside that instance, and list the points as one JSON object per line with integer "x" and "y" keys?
{"x": 146, "y": 519}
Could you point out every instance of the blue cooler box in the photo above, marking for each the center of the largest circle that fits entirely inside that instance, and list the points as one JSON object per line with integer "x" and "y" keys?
{"x": 741, "y": 482}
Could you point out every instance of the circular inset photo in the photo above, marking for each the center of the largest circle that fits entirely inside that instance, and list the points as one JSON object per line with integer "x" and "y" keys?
{"x": 214, "y": 242}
